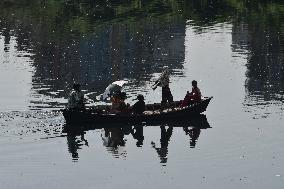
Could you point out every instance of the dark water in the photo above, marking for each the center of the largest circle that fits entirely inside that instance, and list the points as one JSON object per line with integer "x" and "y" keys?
{"x": 234, "y": 49}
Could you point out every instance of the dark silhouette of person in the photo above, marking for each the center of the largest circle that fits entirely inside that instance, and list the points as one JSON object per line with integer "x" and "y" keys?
{"x": 164, "y": 141}
{"x": 74, "y": 142}
{"x": 7, "y": 38}
{"x": 137, "y": 133}
{"x": 193, "y": 133}
{"x": 113, "y": 137}
{"x": 139, "y": 107}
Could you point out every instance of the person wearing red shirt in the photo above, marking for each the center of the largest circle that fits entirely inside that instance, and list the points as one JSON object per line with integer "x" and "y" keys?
{"x": 193, "y": 96}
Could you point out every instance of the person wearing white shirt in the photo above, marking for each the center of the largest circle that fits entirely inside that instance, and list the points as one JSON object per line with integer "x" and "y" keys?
{"x": 76, "y": 98}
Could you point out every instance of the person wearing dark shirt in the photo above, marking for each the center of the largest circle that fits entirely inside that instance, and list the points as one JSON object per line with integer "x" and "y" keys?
{"x": 139, "y": 106}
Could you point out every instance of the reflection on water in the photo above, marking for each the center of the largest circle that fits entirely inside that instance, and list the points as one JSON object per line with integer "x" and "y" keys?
{"x": 66, "y": 43}
{"x": 114, "y": 138}
{"x": 233, "y": 48}
{"x": 193, "y": 134}
{"x": 162, "y": 151}
{"x": 260, "y": 37}
{"x": 74, "y": 143}
{"x": 83, "y": 41}
{"x": 132, "y": 50}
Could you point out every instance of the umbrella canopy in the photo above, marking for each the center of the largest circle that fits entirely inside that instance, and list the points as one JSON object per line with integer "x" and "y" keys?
{"x": 113, "y": 87}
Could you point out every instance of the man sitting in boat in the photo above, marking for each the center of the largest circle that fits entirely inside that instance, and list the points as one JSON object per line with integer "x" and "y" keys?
{"x": 118, "y": 104}
{"x": 139, "y": 106}
{"x": 193, "y": 96}
{"x": 76, "y": 98}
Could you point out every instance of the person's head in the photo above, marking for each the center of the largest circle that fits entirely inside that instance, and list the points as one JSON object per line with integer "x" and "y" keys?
{"x": 123, "y": 95}
{"x": 140, "y": 97}
{"x": 166, "y": 69}
{"x": 76, "y": 86}
{"x": 117, "y": 94}
{"x": 194, "y": 83}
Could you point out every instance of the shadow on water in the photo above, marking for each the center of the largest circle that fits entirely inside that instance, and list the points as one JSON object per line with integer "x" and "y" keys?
{"x": 113, "y": 136}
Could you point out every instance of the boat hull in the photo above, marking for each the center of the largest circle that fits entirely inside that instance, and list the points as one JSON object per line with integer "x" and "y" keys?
{"x": 153, "y": 113}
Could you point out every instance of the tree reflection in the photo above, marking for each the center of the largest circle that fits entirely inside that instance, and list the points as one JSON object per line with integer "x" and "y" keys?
{"x": 257, "y": 32}
{"x": 83, "y": 41}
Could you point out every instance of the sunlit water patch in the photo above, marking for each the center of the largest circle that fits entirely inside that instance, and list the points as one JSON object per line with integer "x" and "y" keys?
{"x": 30, "y": 125}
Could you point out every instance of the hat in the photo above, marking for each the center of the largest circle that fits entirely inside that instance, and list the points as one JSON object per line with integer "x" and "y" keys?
{"x": 165, "y": 67}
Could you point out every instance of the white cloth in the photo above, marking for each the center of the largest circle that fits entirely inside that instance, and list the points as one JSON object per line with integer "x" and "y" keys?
{"x": 113, "y": 87}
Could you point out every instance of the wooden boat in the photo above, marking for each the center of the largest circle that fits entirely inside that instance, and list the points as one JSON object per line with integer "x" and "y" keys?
{"x": 101, "y": 114}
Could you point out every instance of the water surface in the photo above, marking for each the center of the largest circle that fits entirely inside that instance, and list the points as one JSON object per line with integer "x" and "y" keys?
{"x": 233, "y": 49}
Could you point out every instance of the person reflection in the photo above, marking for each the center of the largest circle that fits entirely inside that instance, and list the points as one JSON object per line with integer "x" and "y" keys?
{"x": 74, "y": 142}
{"x": 7, "y": 38}
{"x": 193, "y": 133}
{"x": 137, "y": 133}
{"x": 113, "y": 137}
{"x": 164, "y": 141}
{"x": 113, "y": 140}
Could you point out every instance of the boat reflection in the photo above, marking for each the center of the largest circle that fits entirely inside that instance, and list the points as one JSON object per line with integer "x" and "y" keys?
{"x": 114, "y": 136}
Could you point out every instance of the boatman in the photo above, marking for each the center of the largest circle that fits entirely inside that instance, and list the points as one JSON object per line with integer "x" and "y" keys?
{"x": 163, "y": 81}
{"x": 76, "y": 98}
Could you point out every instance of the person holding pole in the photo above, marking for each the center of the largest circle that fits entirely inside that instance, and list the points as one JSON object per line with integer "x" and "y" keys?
{"x": 163, "y": 81}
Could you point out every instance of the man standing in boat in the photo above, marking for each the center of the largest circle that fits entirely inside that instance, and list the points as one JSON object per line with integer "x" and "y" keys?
{"x": 163, "y": 81}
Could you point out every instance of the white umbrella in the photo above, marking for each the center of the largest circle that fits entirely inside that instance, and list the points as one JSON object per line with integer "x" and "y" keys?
{"x": 113, "y": 87}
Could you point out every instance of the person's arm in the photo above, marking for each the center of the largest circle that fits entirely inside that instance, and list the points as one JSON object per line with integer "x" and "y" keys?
{"x": 156, "y": 84}
{"x": 158, "y": 81}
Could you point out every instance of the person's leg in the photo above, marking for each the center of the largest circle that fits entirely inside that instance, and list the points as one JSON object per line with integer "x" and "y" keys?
{"x": 170, "y": 96}
{"x": 164, "y": 98}
{"x": 164, "y": 95}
